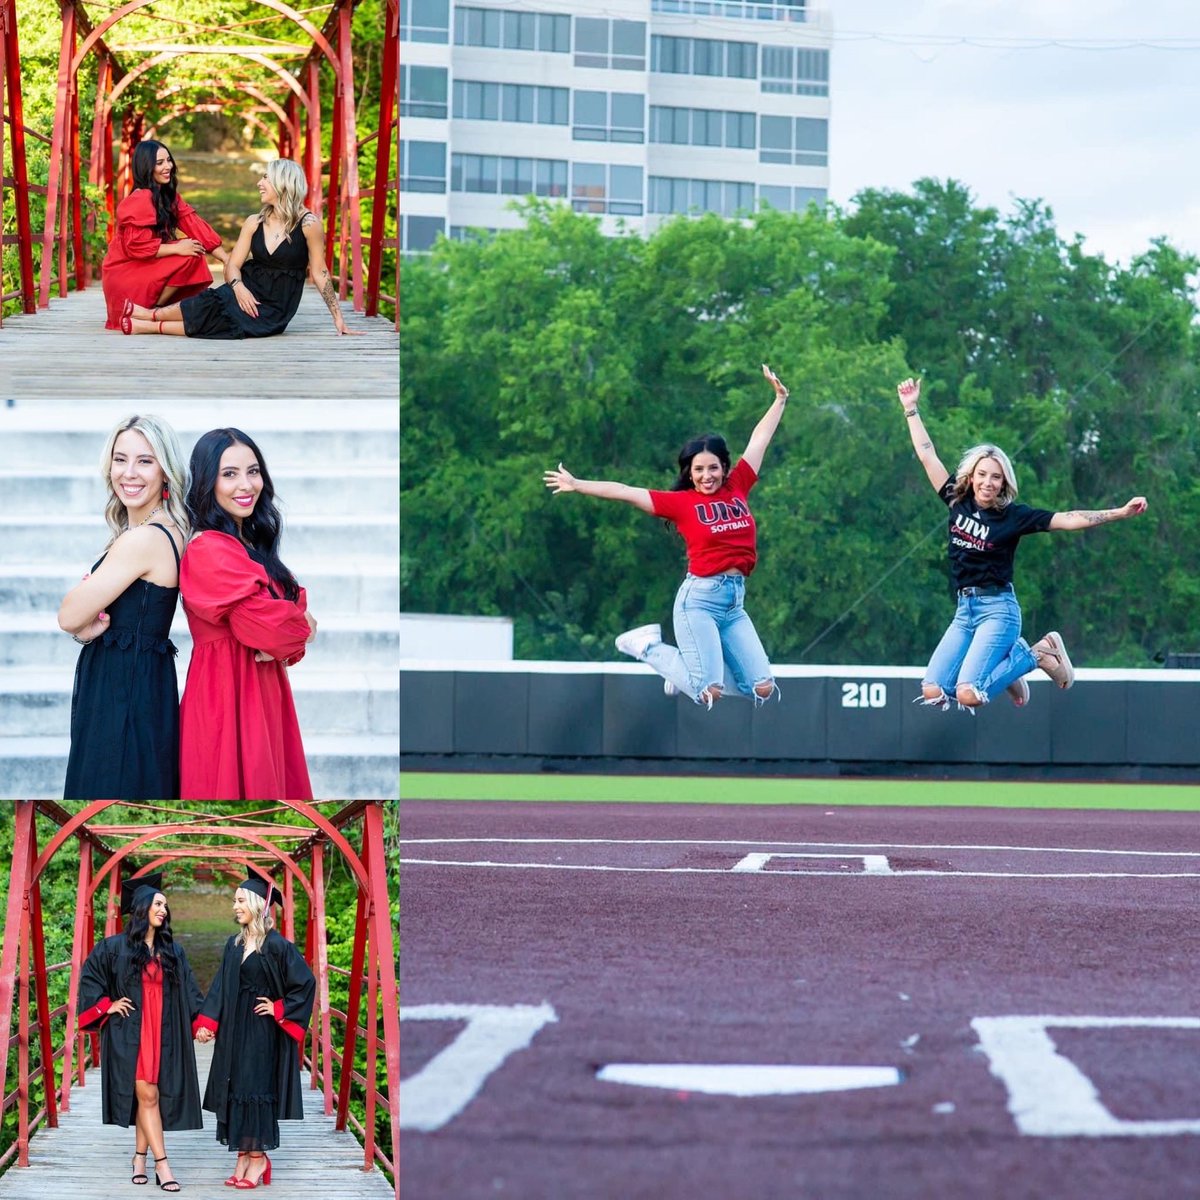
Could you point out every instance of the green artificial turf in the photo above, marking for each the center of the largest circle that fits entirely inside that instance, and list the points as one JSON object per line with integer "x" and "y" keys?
{"x": 675, "y": 789}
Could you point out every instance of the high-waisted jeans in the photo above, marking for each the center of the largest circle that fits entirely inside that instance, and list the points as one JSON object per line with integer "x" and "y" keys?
{"x": 717, "y": 640}
{"x": 982, "y": 647}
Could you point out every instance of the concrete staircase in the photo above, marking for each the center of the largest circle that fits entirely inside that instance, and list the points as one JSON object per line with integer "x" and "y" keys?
{"x": 336, "y": 474}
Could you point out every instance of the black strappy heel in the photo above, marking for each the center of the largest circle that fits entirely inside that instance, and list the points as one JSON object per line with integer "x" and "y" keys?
{"x": 172, "y": 1185}
{"x": 139, "y": 1177}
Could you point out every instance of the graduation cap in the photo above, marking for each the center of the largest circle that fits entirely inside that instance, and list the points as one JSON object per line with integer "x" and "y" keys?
{"x": 260, "y": 887}
{"x": 132, "y": 889}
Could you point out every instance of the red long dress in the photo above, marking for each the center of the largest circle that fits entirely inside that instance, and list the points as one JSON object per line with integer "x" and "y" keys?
{"x": 238, "y": 734}
{"x": 150, "y": 1046}
{"x": 131, "y": 272}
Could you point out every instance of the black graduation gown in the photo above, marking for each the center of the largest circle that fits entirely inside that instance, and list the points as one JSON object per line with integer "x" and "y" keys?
{"x": 291, "y": 981}
{"x": 108, "y": 974}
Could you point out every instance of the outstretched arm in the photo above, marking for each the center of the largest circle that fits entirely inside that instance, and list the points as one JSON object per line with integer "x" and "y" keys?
{"x": 320, "y": 275}
{"x": 1084, "y": 519}
{"x": 764, "y": 431}
{"x": 562, "y": 480}
{"x": 910, "y": 393}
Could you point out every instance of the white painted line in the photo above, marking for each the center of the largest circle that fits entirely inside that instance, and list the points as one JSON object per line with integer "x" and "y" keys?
{"x": 1048, "y": 1095}
{"x": 872, "y": 864}
{"x": 748, "y": 1080}
{"x": 452, "y": 1078}
{"x": 891, "y": 874}
{"x": 442, "y": 841}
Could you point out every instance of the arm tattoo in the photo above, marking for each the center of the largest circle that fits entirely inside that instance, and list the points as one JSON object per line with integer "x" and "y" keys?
{"x": 1092, "y": 518}
{"x": 330, "y": 298}
{"x": 926, "y": 445}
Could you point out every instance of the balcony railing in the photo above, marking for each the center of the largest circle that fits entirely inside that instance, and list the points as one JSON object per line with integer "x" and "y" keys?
{"x": 744, "y": 10}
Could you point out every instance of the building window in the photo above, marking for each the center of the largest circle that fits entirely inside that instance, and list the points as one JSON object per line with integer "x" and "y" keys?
{"x": 802, "y": 141}
{"x": 744, "y": 10}
{"x": 703, "y": 56}
{"x": 620, "y": 45}
{"x": 471, "y": 233}
{"x": 502, "y": 29}
{"x": 422, "y": 166}
{"x": 423, "y": 92}
{"x": 421, "y": 232}
{"x": 425, "y": 21}
{"x": 787, "y": 199}
{"x": 523, "y": 103}
{"x": 795, "y": 71}
{"x": 493, "y": 174}
{"x": 702, "y": 127}
{"x": 607, "y": 188}
{"x": 724, "y": 196}
{"x": 609, "y": 117}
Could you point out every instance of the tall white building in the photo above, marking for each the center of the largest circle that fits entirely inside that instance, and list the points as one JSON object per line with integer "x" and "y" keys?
{"x": 629, "y": 109}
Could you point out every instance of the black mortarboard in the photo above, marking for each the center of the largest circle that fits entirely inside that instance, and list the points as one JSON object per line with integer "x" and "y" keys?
{"x": 259, "y": 888}
{"x": 131, "y": 890}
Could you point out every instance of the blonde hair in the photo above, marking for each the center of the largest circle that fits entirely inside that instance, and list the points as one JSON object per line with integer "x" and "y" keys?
{"x": 287, "y": 178}
{"x": 255, "y": 931}
{"x": 165, "y": 446}
{"x": 972, "y": 459}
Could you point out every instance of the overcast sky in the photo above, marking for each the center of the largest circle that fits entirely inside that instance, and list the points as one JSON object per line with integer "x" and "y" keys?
{"x": 1109, "y": 138}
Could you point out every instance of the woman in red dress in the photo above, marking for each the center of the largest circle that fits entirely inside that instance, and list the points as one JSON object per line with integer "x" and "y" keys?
{"x": 238, "y": 734}
{"x": 157, "y": 254}
{"x": 137, "y": 989}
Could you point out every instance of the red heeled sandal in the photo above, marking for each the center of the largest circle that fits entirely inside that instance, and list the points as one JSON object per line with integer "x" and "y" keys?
{"x": 232, "y": 1181}
{"x": 264, "y": 1179}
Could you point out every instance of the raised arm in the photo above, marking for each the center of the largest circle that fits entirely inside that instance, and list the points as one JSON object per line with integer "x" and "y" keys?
{"x": 910, "y": 393}
{"x": 764, "y": 431}
{"x": 1085, "y": 519}
{"x": 562, "y": 480}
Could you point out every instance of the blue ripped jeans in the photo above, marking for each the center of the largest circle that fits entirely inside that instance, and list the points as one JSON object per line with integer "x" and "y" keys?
{"x": 982, "y": 647}
{"x": 717, "y": 640}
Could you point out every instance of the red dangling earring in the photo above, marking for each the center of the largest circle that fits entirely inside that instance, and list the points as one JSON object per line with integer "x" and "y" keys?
{"x": 166, "y": 492}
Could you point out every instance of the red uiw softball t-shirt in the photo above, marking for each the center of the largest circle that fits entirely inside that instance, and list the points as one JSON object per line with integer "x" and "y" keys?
{"x": 718, "y": 530}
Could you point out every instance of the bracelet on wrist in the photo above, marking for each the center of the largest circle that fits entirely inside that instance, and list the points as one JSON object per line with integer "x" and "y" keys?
{"x": 912, "y": 412}
{"x": 233, "y": 281}
{"x": 82, "y": 641}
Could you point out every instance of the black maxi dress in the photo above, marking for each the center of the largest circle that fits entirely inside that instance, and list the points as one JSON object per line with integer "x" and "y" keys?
{"x": 125, "y": 703}
{"x": 254, "y": 1081}
{"x": 108, "y": 974}
{"x": 275, "y": 279}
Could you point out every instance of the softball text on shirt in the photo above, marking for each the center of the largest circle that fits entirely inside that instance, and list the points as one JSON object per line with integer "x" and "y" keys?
{"x": 718, "y": 529}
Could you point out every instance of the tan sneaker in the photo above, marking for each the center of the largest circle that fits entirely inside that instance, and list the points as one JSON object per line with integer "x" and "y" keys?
{"x": 1052, "y": 658}
{"x": 1019, "y": 691}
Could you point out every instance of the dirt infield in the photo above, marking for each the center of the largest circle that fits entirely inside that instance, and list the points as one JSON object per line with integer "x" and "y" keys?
{"x": 602, "y": 936}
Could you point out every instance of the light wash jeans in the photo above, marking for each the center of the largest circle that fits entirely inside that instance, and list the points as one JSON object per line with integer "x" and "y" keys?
{"x": 717, "y": 640}
{"x": 982, "y": 647}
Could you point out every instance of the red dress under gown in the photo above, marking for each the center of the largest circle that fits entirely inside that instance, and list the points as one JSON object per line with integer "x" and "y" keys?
{"x": 131, "y": 271}
{"x": 150, "y": 1046}
{"x": 238, "y": 734}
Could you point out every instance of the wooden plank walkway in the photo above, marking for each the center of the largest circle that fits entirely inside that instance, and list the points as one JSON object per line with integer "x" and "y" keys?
{"x": 64, "y": 353}
{"x": 84, "y": 1159}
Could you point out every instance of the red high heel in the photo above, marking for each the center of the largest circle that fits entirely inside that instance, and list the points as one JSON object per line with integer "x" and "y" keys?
{"x": 232, "y": 1181}
{"x": 264, "y": 1179}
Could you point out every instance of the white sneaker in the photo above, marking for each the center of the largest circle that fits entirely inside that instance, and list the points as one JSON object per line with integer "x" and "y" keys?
{"x": 669, "y": 688}
{"x": 1019, "y": 691}
{"x": 635, "y": 642}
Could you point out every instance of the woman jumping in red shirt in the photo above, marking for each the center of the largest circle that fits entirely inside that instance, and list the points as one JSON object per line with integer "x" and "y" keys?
{"x": 238, "y": 734}
{"x": 708, "y": 505}
{"x": 157, "y": 255}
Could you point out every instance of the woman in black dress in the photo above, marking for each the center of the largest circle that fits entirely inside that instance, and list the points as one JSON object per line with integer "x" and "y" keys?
{"x": 261, "y": 293}
{"x": 258, "y": 1009}
{"x": 137, "y": 988}
{"x": 125, "y": 703}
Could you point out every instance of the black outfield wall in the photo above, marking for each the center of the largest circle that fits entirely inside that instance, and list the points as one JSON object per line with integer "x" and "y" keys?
{"x": 837, "y": 714}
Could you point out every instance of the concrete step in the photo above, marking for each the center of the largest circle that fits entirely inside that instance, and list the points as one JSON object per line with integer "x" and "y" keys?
{"x": 37, "y": 703}
{"x": 335, "y": 583}
{"x": 79, "y": 490}
{"x": 356, "y": 640}
{"x": 80, "y": 539}
{"x": 33, "y": 768}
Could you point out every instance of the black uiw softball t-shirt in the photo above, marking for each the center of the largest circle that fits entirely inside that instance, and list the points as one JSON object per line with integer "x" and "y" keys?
{"x": 983, "y": 541}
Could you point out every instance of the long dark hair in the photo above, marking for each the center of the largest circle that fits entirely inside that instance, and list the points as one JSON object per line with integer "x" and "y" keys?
{"x": 261, "y": 530}
{"x": 164, "y": 940}
{"x": 710, "y": 443}
{"x": 166, "y": 202}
